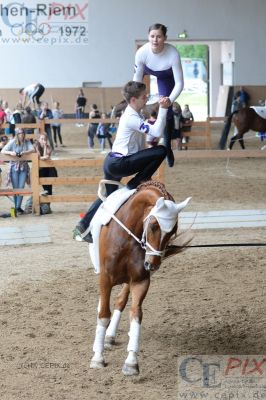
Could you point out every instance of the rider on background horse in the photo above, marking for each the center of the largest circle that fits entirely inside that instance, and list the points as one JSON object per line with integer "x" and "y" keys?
{"x": 129, "y": 155}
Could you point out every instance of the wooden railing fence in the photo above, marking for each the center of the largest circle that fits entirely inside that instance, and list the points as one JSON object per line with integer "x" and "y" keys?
{"x": 61, "y": 180}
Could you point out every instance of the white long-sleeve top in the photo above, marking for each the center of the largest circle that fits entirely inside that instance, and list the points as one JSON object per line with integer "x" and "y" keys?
{"x": 166, "y": 66}
{"x": 132, "y": 131}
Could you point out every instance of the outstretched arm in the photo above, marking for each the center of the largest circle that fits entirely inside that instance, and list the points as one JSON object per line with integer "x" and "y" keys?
{"x": 139, "y": 68}
{"x": 156, "y": 130}
{"x": 178, "y": 77}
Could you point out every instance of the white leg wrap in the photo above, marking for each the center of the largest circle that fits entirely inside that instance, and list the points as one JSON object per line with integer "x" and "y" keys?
{"x": 131, "y": 358}
{"x": 134, "y": 336}
{"x": 98, "y": 345}
{"x": 112, "y": 328}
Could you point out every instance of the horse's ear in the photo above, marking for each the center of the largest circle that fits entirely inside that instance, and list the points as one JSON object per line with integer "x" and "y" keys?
{"x": 180, "y": 206}
{"x": 160, "y": 203}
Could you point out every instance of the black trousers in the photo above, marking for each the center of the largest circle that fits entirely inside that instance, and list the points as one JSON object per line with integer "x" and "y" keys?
{"x": 168, "y": 131}
{"x": 49, "y": 172}
{"x": 37, "y": 93}
{"x": 57, "y": 132}
{"x": 144, "y": 164}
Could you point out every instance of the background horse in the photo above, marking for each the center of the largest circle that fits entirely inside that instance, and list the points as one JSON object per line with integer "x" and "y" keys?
{"x": 244, "y": 120}
{"x": 151, "y": 217}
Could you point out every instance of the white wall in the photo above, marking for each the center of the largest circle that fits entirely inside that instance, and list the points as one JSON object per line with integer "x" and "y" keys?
{"x": 115, "y": 25}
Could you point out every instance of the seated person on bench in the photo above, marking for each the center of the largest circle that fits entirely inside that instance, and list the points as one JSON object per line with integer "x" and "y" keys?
{"x": 129, "y": 155}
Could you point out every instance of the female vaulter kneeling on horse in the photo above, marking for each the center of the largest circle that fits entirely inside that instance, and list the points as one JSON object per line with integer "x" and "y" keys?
{"x": 129, "y": 155}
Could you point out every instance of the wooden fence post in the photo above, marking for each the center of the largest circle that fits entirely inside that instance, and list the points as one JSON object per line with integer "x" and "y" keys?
{"x": 35, "y": 184}
{"x": 41, "y": 123}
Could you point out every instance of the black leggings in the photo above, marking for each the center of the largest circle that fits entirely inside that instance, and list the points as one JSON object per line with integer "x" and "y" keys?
{"x": 57, "y": 131}
{"x": 37, "y": 93}
{"x": 144, "y": 164}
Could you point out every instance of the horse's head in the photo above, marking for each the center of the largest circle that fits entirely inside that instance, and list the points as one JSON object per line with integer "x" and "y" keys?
{"x": 159, "y": 227}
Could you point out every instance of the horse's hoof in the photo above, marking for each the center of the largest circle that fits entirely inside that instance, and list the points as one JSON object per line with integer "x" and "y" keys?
{"x": 97, "y": 364}
{"x": 130, "y": 370}
{"x": 109, "y": 341}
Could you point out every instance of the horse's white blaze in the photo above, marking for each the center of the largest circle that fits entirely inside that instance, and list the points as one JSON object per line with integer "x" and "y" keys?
{"x": 98, "y": 345}
{"x": 112, "y": 328}
{"x": 134, "y": 336}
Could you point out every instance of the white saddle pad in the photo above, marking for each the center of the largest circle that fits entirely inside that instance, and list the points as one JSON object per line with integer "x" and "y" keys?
{"x": 103, "y": 217}
{"x": 261, "y": 111}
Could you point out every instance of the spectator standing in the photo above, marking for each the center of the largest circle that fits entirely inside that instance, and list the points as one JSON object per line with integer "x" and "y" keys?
{"x": 244, "y": 97}
{"x": 46, "y": 114}
{"x": 92, "y": 129}
{"x": 81, "y": 102}
{"x": 2, "y": 118}
{"x": 179, "y": 120}
{"x": 3, "y": 141}
{"x": 236, "y": 106}
{"x": 8, "y": 112}
{"x": 44, "y": 151}
{"x": 15, "y": 118}
{"x": 28, "y": 118}
{"x": 151, "y": 140}
{"x": 57, "y": 114}
{"x": 33, "y": 92}
{"x": 188, "y": 118}
{"x": 103, "y": 133}
{"x": 19, "y": 170}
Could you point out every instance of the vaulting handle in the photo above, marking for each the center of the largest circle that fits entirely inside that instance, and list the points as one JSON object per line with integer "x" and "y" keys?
{"x": 101, "y": 187}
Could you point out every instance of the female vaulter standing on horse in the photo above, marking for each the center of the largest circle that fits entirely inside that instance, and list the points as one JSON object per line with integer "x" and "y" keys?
{"x": 129, "y": 155}
{"x": 162, "y": 60}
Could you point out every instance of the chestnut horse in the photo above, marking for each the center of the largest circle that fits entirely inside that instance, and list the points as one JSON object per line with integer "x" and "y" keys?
{"x": 128, "y": 255}
{"x": 244, "y": 120}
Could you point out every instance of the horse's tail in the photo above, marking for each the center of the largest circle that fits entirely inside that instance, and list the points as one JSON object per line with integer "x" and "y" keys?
{"x": 226, "y": 131}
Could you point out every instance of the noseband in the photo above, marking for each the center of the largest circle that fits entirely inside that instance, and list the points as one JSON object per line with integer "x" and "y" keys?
{"x": 153, "y": 252}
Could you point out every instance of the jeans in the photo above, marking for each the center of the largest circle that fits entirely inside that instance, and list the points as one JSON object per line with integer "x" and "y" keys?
{"x": 47, "y": 128}
{"x": 91, "y": 134}
{"x": 144, "y": 164}
{"x": 18, "y": 180}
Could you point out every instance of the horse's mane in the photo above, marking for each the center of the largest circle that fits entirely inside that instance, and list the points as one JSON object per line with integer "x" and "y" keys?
{"x": 158, "y": 185}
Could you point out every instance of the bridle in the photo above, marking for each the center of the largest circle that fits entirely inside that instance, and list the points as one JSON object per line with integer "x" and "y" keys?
{"x": 143, "y": 241}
